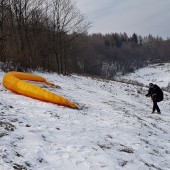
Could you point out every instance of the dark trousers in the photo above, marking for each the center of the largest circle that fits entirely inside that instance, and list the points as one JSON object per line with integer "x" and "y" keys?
{"x": 155, "y": 106}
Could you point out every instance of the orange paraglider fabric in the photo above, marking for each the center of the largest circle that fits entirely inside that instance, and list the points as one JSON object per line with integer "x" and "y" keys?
{"x": 14, "y": 81}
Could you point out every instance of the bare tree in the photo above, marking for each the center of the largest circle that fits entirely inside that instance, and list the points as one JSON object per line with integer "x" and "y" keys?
{"x": 4, "y": 18}
{"x": 66, "y": 19}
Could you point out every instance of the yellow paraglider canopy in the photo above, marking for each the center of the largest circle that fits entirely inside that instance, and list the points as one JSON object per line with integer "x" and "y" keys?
{"x": 15, "y": 81}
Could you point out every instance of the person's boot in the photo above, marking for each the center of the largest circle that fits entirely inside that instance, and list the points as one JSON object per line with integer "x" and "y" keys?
{"x": 159, "y": 112}
{"x": 152, "y": 112}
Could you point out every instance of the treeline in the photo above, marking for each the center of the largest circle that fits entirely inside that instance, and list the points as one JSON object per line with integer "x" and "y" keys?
{"x": 38, "y": 33}
{"x": 52, "y": 35}
{"x": 111, "y": 54}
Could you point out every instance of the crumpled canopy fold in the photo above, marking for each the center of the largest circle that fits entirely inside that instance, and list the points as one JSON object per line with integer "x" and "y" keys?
{"x": 14, "y": 81}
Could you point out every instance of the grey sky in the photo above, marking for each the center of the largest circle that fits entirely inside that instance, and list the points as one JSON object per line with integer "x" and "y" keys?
{"x": 140, "y": 16}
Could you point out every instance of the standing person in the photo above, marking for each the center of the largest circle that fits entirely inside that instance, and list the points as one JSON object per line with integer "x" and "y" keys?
{"x": 156, "y": 95}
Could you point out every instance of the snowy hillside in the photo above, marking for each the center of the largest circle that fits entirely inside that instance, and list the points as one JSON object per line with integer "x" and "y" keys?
{"x": 157, "y": 73}
{"x": 113, "y": 130}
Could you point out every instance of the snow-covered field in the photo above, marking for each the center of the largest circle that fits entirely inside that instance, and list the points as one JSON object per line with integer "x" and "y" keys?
{"x": 113, "y": 130}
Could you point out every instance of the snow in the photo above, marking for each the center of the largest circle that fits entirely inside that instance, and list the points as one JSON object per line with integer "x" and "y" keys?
{"x": 157, "y": 74}
{"x": 113, "y": 130}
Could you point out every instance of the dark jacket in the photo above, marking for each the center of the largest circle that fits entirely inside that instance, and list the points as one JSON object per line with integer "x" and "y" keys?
{"x": 156, "y": 93}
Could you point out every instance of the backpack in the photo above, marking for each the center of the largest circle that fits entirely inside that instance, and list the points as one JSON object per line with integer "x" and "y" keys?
{"x": 160, "y": 96}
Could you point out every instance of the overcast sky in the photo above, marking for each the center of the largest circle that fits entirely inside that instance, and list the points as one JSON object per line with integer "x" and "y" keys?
{"x": 140, "y": 16}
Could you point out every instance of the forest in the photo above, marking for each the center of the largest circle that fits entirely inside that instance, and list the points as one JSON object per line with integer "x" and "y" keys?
{"x": 53, "y": 36}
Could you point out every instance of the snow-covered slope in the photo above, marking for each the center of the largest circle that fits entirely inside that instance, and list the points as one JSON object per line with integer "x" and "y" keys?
{"x": 157, "y": 73}
{"x": 113, "y": 130}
